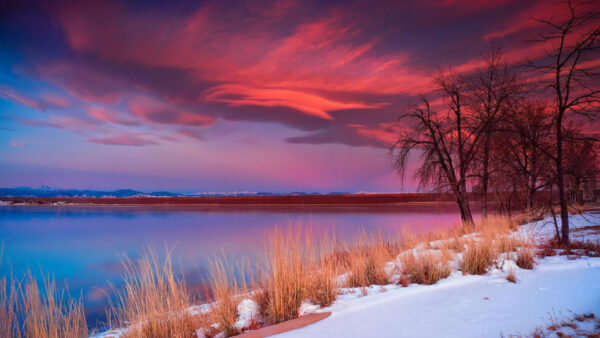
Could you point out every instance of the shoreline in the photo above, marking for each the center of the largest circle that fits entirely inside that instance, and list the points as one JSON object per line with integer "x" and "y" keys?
{"x": 268, "y": 201}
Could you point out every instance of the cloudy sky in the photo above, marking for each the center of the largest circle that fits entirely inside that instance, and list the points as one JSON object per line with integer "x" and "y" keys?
{"x": 230, "y": 95}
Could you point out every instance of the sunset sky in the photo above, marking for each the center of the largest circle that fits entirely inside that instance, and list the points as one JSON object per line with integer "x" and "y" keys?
{"x": 230, "y": 95}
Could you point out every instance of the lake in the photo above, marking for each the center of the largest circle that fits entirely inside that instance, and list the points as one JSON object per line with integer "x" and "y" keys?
{"x": 83, "y": 245}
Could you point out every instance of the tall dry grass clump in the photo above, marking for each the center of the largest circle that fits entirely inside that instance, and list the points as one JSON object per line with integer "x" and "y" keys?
{"x": 29, "y": 310}
{"x": 478, "y": 256}
{"x": 8, "y": 318}
{"x": 297, "y": 267}
{"x": 283, "y": 279}
{"x": 325, "y": 267}
{"x": 224, "y": 289}
{"x": 152, "y": 301}
{"x": 367, "y": 260}
{"x": 526, "y": 255}
{"x": 425, "y": 266}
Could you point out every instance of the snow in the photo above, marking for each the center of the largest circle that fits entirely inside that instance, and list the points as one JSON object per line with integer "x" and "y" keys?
{"x": 307, "y": 308}
{"x": 473, "y": 306}
{"x": 248, "y": 312}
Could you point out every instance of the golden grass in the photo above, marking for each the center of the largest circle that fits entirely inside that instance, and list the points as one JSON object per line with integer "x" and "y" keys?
{"x": 478, "y": 257}
{"x": 224, "y": 289}
{"x": 525, "y": 257}
{"x": 29, "y": 310}
{"x": 424, "y": 266}
{"x": 296, "y": 267}
{"x": 282, "y": 281}
{"x": 152, "y": 301}
{"x": 367, "y": 260}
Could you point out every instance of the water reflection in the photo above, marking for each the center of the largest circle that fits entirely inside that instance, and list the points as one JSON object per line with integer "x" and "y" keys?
{"x": 82, "y": 245}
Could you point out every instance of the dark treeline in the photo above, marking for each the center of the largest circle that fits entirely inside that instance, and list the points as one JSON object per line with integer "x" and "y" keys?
{"x": 514, "y": 132}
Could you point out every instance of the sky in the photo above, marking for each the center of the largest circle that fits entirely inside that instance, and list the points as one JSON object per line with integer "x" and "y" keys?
{"x": 222, "y": 96}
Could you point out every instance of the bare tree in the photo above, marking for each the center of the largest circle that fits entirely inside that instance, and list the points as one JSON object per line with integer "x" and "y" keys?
{"x": 491, "y": 92}
{"x": 570, "y": 73}
{"x": 580, "y": 164}
{"x": 516, "y": 150}
{"x": 447, "y": 142}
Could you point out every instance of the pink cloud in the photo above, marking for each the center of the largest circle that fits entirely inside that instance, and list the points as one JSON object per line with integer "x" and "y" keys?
{"x": 157, "y": 111}
{"x": 56, "y": 100}
{"x": 239, "y": 95}
{"x": 219, "y": 50}
{"x": 82, "y": 81}
{"x": 12, "y": 95}
{"x": 123, "y": 140}
{"x": 110, "y": 115}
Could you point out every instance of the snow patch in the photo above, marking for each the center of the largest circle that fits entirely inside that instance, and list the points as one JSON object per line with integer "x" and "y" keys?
{"x": 248, "y": 312}
{"x": 307, "y": 308}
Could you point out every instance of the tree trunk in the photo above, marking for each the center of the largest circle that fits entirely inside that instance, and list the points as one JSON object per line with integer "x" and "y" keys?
{"x": 485, "y": 177}
{"x": 564, "y": 211}
{"x": 531, "y": 199}
{"x": 465, "y": 210}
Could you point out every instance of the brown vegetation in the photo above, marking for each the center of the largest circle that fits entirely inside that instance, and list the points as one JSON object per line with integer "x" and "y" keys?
{"x": 28, "y": 310}
{"x": 424, "y": 266}
{"x": 478, "y": 257}
{"x": 152, "y": 301}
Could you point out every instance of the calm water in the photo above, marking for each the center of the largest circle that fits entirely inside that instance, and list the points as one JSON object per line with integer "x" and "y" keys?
{"x": 82, "y": 245}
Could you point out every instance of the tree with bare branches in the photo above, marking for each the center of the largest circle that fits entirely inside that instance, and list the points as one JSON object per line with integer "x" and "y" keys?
{"x": 447, "y": 141}
{"x": 518, "y": 159}
{"x": 492, "y": 91}
{"x": 570, "y": 71}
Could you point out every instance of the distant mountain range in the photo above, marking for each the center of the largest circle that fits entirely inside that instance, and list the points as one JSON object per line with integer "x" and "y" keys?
{"x": 45, "y": 191}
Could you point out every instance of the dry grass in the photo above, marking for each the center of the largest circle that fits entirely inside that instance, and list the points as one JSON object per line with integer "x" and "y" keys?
{"x": 224, "y": 288}
{"x": 367, "y": 261}
{"x": 525, "y": 257}
{"x": 283, "y": 280}
{"x": 8, "y": 317}
{"x": 511, "y": 277}
{"x": 478, "y": 256}
{"x": 29, "y": 310}
{"x": 152, "y": 301}
{"x": 297, "y": 267}
{"x": 423, "y": 266}
{"x": 322, "y": 289}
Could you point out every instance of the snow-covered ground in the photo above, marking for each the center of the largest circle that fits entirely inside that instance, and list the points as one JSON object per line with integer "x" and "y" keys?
{"x": 473, "y": 306}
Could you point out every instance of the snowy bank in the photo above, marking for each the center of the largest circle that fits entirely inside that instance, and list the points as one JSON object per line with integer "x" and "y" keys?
{"x": 473, "y": 306}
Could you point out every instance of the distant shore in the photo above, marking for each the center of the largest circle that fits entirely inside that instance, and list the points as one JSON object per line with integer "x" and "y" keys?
{"x": 348, "y": 199}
